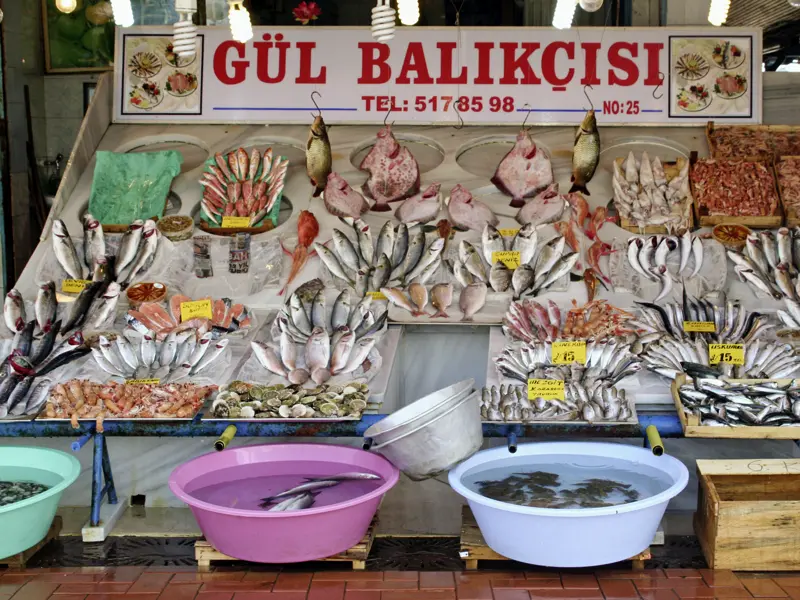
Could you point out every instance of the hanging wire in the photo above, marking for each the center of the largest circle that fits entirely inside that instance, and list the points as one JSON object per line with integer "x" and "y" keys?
{"x": 527, "y": 114}
{"x": 660, "y": 83}
{"x": 585, "y": 93}
{"x": 458, "y": 85}
{"x": 315, "y": 103}
{"x": 386, "y": 118}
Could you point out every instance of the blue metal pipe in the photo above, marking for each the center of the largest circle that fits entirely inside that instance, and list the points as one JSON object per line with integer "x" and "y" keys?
{"x": 81, "y": 441}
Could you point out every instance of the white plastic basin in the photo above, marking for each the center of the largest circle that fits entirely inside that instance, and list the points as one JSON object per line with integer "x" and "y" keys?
{"x": 570, "y": 537}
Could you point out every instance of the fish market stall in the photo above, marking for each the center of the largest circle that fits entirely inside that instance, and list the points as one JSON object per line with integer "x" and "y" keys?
{"x": 217, "y": 256}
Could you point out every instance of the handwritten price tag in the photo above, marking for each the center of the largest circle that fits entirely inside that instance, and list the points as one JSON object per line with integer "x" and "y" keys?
{"x": 198, "y": 309}
{"x": 728, "y": 353}
{"x": 566, "y": 353}
{"x": 509, "y": 258}
{"x": 508, "y": 232}
{"x": 699, "y": 326}
{"x": 547, "y": 389}
{"x": 73, "y": 286}
{"x": 231, "y": 222}
{"x": 377, "y": 295}
{"x": 142, "y": 381}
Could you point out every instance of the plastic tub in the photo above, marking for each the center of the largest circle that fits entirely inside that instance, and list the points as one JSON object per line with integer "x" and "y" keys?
{"x": 405, "y": 420}
{"x": 281, "y": 537}
{"x": 24, "y": 524}
{"x": 438, "y": 441}
{"x": 566, "y": 537}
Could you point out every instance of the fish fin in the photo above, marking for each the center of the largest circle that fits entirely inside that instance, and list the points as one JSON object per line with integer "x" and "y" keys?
{"x": 317, "y": 192}
{"x": 578, "y": 187}
{"x": 466, "y": 319}
{"x": 440, "y": 314}
{"x": 285, "y": 250}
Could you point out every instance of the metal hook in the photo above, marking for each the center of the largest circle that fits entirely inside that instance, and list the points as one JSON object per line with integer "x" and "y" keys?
{"x": 315, "y": 103}
{"x": 528, "y": 114}
{"x": 386, "y": 118}
{"x": 460, "y": 119}
{"x": 660, "y": 83}
{"x": 585, "y": 93}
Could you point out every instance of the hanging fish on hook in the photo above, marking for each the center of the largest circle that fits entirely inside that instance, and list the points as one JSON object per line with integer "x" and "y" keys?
{"x": 319, "y": 159}
{"x": 585, "y": 152}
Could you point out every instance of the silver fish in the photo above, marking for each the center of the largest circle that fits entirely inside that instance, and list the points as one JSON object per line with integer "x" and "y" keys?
{"x": 666, "y": 281}
{"x": 785, "y": 248}
{"x": 357, "y": 315}
{"x": 686, "y": 250}
{"x": 697, "y": 254}
{"x": 461, "y": 273}
{"x": 318, "y": 349}
{"x": 549, "y": 255}
{"x": 428, "y": 271}
{"x": 46, "y": 306}
{"x": 783, "y": 280}
{"x": 364, "y": 241}
{"x": 472, "y": 299}
{"x": 94, "y": 243}
{"x": 146, "y": 253}
{"x": 433, "y": 252}
{"x": 65, "y": 251}
{"x": 359, "y": 354}
{"x": 500, "y": 277}
{"x": 362, "y": 281}
{"x": 471, "y": 259}
{"x": 14, "y": 311}
{"x": 147, "y": 350}
{"x": 416, "y": 248}
{"x": 635, "y": 246}
{"x": 317, "y": 484}
{"x": 397, "y": 297}
{"x": 770, "y": 247}
{"x": 646, "y": 256}
{"x": 127, "y": 352}
{"x": 267, "y": 358}
{"x": 330, "y": 261}
{"x": 181, "y": 372}
{"x": 106, "y": 305}
{"x": 203, "y": 344}
{"x": 294, "y": 503}
{"x": 757, "y": 281}
{"x": 522, "y": 279}
{"x": 491, "y": 241}
{"x": 318, "y": 311}
{"x": 385, "y": 241}
{"x": 341, "y": 310}
{"x": 298, "y": 315}
{"x": 347, "y": 254}
{"x": 755, "y": 252}
{"x": 382, "y": 273}
{"x": 36, "y": 399}
{"x": 525, "y": 242}
{"x": 341, "y": 352}
{"x": 211, "y": 355}
{"x": 400, "y": 247}
{"x": 105, "y": 364}
{"x": 354, "y": 476}
{"x": 560, "y": 268}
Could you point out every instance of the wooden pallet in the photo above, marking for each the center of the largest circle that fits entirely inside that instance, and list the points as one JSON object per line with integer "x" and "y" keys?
{"x": 20, "y": 560}
{"x": 473, "y": 547}
{"x": 205, "y": 553}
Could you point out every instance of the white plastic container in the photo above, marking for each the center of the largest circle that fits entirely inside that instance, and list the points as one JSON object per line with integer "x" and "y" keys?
{"x": 567, "y": 537}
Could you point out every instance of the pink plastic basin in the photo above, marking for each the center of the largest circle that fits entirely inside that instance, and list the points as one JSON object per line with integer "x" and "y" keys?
{"x": 236, "y": 478}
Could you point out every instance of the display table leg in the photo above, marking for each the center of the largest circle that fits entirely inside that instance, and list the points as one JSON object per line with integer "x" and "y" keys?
{"x": 103, "y": 516}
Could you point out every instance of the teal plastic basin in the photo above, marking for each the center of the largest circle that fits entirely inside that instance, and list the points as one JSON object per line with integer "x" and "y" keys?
{"x": 24, "y": 524}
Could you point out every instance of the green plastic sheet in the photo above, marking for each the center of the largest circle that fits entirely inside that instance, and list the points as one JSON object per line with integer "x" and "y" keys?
{"x": 132, "y": 186}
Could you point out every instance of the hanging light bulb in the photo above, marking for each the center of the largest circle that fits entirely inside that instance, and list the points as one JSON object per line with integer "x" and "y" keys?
{"x": 383, "y": 19}
{"x": 239, "y": 19}
{"x": 184, "y": 38}
{"x": 564, "y": 13}
{"x": 408, "y": 10}
{"x": 66, "y": 6}
{"x": 718, "y": 12}
{"x": 123, "y": 12}
{"x": 591, "y": 5}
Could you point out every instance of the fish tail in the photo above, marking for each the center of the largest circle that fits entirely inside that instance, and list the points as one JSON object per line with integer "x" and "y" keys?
{"x": 440, "y": 314}
{"x": 466, "y": 319}
{"x": 317, "y": 192}
{"x": 578, "y": 187}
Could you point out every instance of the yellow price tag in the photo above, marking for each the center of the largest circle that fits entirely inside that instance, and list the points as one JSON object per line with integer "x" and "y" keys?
{"x": 377, "y": 295}
{"x": 74, "y": 286}
{"x": 700, "y": 326}
{"x": 508, "y": 232}
{"x": 566, "y": 353}
{"x": 197, "y": 309}
{"x": 142, "y": 381}
{"x": 510, "y": 258}
{"x": 230, "y": 222}
{"x": 728, "y": 353}
{"x": 547, "y": 389}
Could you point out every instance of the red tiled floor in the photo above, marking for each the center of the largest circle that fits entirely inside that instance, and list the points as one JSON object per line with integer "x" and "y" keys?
{"x": 579, "y": 582}
{"x": 150, "y": 583}
{"x": 419, "y": 595}
{"x": 35, "y": 590}
{"x": 478, "y": 590}
{"x": 691, "y": 573}
{"x": 618, "y": 589}
{"x": 731, "y": 592}
{"x": 382, "y": 585}
{"x": 62, "y": 597}
{"x": 214, "y": 595}
{"x": 292, "y": 582}
{"x": 125, "y": 597}
{"x": 511, "y": 595}
{"x": 349, "y": 576}
{"x": 362, "y": 595}
{"x": 326, "y": 590}
{"x": 528, "y": 584}
{"x": 185, "y": 591}
{"x": 695, "y": 591}
{"x": 764, "y": 588}
{"x": 438, "y": 580}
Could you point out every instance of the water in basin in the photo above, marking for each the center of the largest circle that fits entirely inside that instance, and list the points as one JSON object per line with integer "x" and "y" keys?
{"x": 244, "y": 486}
{"x": 567, "y": 481}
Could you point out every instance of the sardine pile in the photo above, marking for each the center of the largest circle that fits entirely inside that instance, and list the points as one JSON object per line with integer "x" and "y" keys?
{"x": 529, "y": 321}
{"x": 400, "y": 254}
{"x": 733, "y": 403}
{"x": 610, "y": 360}
{"x": 769, "y": 263}
{"x": 240, "y": 400}
{"x": 733, "y": 323}
{"x": 598, "y": 402}
{"x": 538, "y": 269}
{"x": 302, "y": 496}
{"x": 331, "y": 345}
{"x": 648, "y": 257}
{"x": 644, "y": 194}
{"x": 242, "y": 186}
{"x": 135, "y": 255}
{"x": 180, "y": 355}
{"x": 17, "y": 491}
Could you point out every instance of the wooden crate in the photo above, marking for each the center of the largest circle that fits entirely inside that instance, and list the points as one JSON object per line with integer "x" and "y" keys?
{"x": 766, "y": 222}
{"x": 20, "y": 560}
{"x": 671, "y": 169}
{"x": 748, "y": 514}
{"x": 205, "y": 553}
{"x": 711, "y": 128}
{"x": 692, "y": 427}
{"x": 792, "y": 215}
{"x": 473, "y": 547}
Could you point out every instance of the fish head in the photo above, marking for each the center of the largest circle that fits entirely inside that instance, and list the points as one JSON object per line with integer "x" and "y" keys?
{"x": 432, "y": 190}
{"x": 113, "y": 290}
{"x": 318, "y": 129}
{"x": 76, "y": 339}
{"x": 90, "y": 222}
{"x": 460, "y": 195}
{"x": 60, "y": 229}
{"x": 589, "y": 123}
{"x": 149, "y": 228}
{"x": 15, "y": 296}
{"x": 21, "y": 365}
{"x": 136, "y": 225}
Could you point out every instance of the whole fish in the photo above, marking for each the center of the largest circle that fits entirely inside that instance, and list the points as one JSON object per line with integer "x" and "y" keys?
{"x": 36, "y": 399}
{"x": 500, "y": 277}
{"x": 317, "y": 484}
{"x": 147, "y": 251}
{"x": 318, "y": 349}
{"x": 546, "y": 207}
{"x": 297, "y": 502}
{"x": 168, "y": 350}
{"x": 441, "y": 299}
{"x": 14, "y": 311}
{"x": 686, "y": 250}
{"x": 785, "y": 249}
{"x": 65, "y": 251}
{"x": 181, "y": 372}
{"x": 385, "y": 244}
{"x": 127, "y": 352}
{"x": 17, "y": 396}
{"x": 560, "y": 268}
{"x": 419, "y": 298}
{"x": 359, "y": 312}
{"x": 80, "y": 308}
{"x": 664, "y": 276}
{"x": 319, "y": 311}
{"x": 635, "y": 247}
{"x": 307, "y": 231}
{"x": 784, "y": 280}
{"x": 148, "y": 350}
{"x": 697, "y": 254}
{"x": 770, "y": 247}
{"x": 757, "y": 281}
{"x": 472, "y": 299}
{"x": 341, "y": 351}
{"x": 466, "y": 212}
{"x": 211, "y": 355}
{"x": 471, "y": 259}
{"x": 434, "y": 252}
{"x": 46, "y": 306}
{"x": 129, "y": 246}
{"x": 332, "y": 263}
{"x": 105, "y": 305}
{"x": 549, "y": 255}
{"x": 318, "y": 155}
{"x": 491, "y": 241}
{"x": 585, "y": 153}
{"x": 422, "y": 207}
{"x": 416, "y": 246}
{"x": 364, "y": 236}
{"x": 400, "y": 248}
{"x": 23, "y": 340}
{"x": 525, "y": 242}
{"x": 461, "y": 273}
{"x": 382, "y": 273}
{"x": 428, "y": 271}
{"x": 298, "y": 315}
{"x": 267, "y": 358}
{"x": 94, "y": 243}
{"x": 359, "y": 354}
{"x": 755, "y": 252}
{"x": 397, "y": 297}
{"x": 62, "y": 359}
{"x": 354, "y": 476}
{"x": 522, "y": 280}
{"x": 345, "y": 251}
{"x": 341, "y": 310}
{"x": 45, "y": 346}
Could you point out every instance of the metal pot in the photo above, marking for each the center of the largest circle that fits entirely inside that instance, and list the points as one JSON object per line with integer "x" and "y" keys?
{"x": 438, "y": 442}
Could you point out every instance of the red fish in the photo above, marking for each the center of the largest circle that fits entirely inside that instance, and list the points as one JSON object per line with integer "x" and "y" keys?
{"x": 580, "y": 208}
{"x": 307, "y": 231}
{"x": 593, "y": 255}
{"x": 599, "y": 218}
{"x": 564, "y": 228}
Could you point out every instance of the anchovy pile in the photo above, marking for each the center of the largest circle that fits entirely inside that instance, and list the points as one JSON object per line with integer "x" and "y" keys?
{"x": 598, "y": 402}
{"x": 719, "y": 403}
{"x": 647, "y": 255}
{"x": 180, "y": 355}
{"x": 16, "y": 491}
{"x": 135, "y": 255}
{"x": 732, "y": 322}
{"x": 769, "y": 263}
{"x": 610, "y": 360}
{"x": 538, "y": 269}
{"x": 303, "y": 495}
{"x": 398, "y": 256}
{"x": 762, "y": 359}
